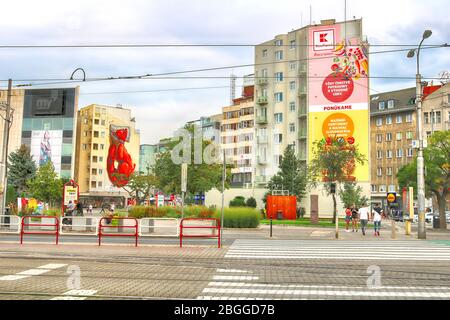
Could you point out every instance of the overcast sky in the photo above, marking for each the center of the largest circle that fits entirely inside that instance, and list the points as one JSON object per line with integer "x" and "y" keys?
{"x": 196, "y": 22}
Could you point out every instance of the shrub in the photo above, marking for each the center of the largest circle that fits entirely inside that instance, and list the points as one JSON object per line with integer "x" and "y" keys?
{"x": 238, "y": 201}
{"x": 251, "y": 202}
{"x": 239, "y": 217}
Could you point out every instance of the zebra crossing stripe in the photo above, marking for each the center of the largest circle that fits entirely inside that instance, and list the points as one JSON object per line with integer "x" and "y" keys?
{"x": 76, "y": 294}
{"x": 32, "y": 272}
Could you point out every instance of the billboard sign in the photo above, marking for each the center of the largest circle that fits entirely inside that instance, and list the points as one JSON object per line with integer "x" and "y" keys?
{"x": 47, "y": 145}
{"x": 338, "y": 92}
{"x": 47, "y": 102}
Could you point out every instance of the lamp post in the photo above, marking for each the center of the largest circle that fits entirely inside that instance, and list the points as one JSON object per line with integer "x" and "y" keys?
{"x": 420, "y": 161}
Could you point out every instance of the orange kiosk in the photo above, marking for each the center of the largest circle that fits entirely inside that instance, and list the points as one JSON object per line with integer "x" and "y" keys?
{"x": 284, "y": 204}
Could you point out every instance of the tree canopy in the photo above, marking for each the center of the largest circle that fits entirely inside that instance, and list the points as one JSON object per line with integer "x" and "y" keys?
{"x": 21, "y": 168}
{"x": 46, "y": 186}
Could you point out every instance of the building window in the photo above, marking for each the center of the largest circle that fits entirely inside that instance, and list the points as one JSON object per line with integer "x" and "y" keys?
{"x": 279, "y": 55}
{"x": 389, "y": 119}
{"x": 94, "y": 159}
{"x": 398, "y": 136}
{"x": 102, "y": 134}
{"x": 408, "y": 117}
{"x": 278, "y": 117}
{"x": 426, "y": 120}
{"x": 292, "y": 44}
{"x": 278, "y": 138}
{"x": 381, "y": 105}
{"x": 436, "y": 117}
{"x": 409, "y": 153}
{"x": 278, "y": 76}
{"x": 382, "y": 188}
{"x": 84, "y": 146}
{"x": 264, "y": 53}
{"x": 94, "y": 172}
{"x": 389, "y": 154}
{"x": 291, "y": 127}
{"x": 100, "y": 184}
{"x": 379, "y": 138}
{"x": 93, "y": 184}
{"x": 379, "y": 154}
{"x": 95, "y": 146}
{"x": 95, "y": 134}
{"x": 102, "y": 147}
{"x": 379, "y": 171}
{"x": 291, "y": 106}
{"x": 389, "y": 136}
{"x": 279, "y": 97}
{"x": 389, "y": 171}
{"x": 374, "y": 187}
{"x": 85, "y": 133}
{"x": 100, "y": 172}
{"x": 292, "y": 65}
{"x": 292, "y": 85}
{"x": 409, "y": 135}
{"x": 100, "y": 159}
{"x": 278, "y": 43}
{"x": 390, "y": 104}
{"x": 96, "y": 121}
{"x": 379, "y": 121}
{"x": 399, "y": 118}
{"x": 103, "y": 122}
{"x": 399, "y": 153}
{"x": 392, "y": 188}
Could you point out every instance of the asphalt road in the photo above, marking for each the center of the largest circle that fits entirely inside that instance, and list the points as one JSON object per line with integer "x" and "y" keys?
{"x": 246, "y": 269}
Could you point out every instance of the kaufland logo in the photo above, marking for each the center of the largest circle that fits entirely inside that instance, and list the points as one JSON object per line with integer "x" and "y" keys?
{"x": 323, "y": 40}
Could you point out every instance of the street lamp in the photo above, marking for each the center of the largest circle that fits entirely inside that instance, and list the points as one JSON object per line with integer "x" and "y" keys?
{"x": 420, "y": 161}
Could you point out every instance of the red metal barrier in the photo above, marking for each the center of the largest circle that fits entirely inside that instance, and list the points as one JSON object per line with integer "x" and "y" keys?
{"x": 23, "y": 224}
{"x": 217, "y": 226}
{"x": 101, "y": 234}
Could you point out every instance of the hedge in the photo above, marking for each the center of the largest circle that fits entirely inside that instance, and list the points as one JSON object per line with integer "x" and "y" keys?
{"x": 139, "y": 212}
{"x": 239, "y": 217}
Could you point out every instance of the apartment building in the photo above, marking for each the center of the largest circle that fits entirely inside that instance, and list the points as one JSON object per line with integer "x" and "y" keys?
{"x": 237, "y": 137}
{"x": 393, "y": 127}
{"x": 92, "y": 151}
{"x": 436, "y": 109}
{"x": 211, "y": 127}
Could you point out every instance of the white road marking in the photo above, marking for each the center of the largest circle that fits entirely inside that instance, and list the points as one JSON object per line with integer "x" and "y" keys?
{"x": 32, "y": 272}
{"x": 76, "y": 294}
{"x": 235, "y": 278}
{"x": 233, "y": 271}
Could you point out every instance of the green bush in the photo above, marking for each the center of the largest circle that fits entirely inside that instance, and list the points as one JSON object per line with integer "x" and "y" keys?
{"x": 251, "y": 202}
{"x": 139, "y": 212}
{"x": 239, "y": 217}
{"x": 238, "y": 201}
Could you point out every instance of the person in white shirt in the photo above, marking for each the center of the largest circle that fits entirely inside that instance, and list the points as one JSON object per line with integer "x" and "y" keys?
{"x": 376, "y": 222}
{"x": 363, "y": 213}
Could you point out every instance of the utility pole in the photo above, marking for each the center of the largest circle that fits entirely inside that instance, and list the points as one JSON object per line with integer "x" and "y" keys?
{"x": 4, "y": 158}
{"x": 224, "y": 173}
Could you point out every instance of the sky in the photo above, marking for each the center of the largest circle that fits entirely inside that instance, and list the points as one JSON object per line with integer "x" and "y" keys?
{"x": 158, "y": 114}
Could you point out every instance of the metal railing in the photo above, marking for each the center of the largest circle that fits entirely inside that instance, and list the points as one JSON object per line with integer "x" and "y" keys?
{"x": 197, "y": 224}
{"x": 39, "y": 228}
{"x": 159, "y": 227}
{"x": 10, "y": 224}
{"x": 117, "y": 224}
{"x": 75, "y": 226}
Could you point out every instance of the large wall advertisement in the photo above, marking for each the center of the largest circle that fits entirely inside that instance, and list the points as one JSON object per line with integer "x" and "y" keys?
{"x": 338, "y": 92}
{"x": 46, "y": 145}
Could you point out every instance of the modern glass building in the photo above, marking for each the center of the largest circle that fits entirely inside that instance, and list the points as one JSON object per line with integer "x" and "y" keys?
{"x": 49, "y": 127}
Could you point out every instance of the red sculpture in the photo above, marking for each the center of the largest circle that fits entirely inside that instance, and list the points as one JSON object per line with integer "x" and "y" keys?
{"x": 119, "y": 175}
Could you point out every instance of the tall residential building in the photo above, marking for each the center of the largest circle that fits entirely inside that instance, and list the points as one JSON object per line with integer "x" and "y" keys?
{"x": 237, "y": 137}
{"x": 45, "y": 121}
{"x": 311, "y": 85}
{"x": 393, "y": 127}
{"x": 92, "y": 151}
{"x": 211, "y": 127}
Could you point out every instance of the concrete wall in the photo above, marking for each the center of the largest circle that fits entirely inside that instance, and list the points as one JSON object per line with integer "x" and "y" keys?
{"x": 214, "y": 197}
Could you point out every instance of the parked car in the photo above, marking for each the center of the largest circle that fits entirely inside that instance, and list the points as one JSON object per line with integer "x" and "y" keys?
{"x": 428, "y": 217}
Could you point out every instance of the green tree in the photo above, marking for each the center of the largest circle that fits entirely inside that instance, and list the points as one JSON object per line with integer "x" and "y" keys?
{"x": 437, "y": 171}
{"x": 21, "y": 168}
{"x": 334, "y": 161}
{"x": 351, "y": 194}
{"x": 238, "y": 201}
{"x": 200, "y": 177}
{"x": 46, "y": 186}
{"x": 291, "y": 175}
{"x": 141, "y": 186}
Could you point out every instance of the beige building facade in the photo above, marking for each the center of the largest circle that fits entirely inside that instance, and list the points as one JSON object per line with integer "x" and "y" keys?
{"x": 92, "y": 151}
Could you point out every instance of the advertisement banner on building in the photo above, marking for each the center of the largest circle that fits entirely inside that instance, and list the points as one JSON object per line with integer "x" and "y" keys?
{"x": 338, "y": 92}
{"x": 47, "y": 145}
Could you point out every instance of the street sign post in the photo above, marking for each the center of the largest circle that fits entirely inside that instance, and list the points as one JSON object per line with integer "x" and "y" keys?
{"x": 183, "y": 186}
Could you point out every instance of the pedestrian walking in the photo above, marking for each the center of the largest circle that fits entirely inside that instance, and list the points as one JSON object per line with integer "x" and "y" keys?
{"x": 355, "y": 218}
{"x": 89, "y": 210}
{"x": 376, "y": 221}
{"x": 363, "y": 218}
{"x": 348, "y": 218}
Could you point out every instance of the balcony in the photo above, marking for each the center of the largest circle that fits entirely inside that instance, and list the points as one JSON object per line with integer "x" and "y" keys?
{"x": 262, "y": 100}
{"x": 302, "y": 68}
{"x": 262, "y": 160}
{"x": 262, "y": 139}
{"x": 302, "y": 91}
{"x": 262, "y": 119}
{"x": 302, "y": 111}
{"x": 263, "y": 81}
{"x": 261, "y": 179}
{"x": 302, "y": 133}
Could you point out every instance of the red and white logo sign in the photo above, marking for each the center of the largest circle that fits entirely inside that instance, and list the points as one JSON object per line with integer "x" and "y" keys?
{"x": 323, "y": 40}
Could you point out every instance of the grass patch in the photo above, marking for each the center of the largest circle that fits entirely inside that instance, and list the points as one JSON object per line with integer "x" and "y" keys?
{"x": 239, "y": 217}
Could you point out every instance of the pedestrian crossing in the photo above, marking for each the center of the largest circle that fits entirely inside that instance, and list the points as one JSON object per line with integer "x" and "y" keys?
{"x": 413, "y": 250}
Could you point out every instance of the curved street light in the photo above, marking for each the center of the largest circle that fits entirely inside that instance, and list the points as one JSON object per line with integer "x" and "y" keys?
{"x": 420, "y": 160}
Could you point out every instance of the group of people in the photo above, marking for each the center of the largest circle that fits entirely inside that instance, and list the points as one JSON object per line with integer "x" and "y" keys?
{"x": 361, "y": 215}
